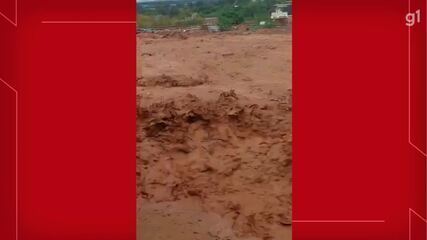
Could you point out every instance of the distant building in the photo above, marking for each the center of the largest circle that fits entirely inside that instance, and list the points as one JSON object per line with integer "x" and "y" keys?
{"x": 280, "y": 11}
{"x": 213, "y": 28}
{"x": 210, "y": 24}
{"x": 211, "y": 21}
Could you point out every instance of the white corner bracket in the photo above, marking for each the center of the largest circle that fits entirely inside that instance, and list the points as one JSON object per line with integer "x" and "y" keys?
{"x": 13, "y": 21}
{"x": 16, "y": 153}
{"x": 422, "y": 152}
{"x": 414, "y": 213}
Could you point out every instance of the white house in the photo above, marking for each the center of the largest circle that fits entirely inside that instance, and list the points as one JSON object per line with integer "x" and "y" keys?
{"x": 280, "y": 11}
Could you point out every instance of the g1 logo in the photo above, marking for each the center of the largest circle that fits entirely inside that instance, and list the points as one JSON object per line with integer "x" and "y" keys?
{"x": 412, "y": 18}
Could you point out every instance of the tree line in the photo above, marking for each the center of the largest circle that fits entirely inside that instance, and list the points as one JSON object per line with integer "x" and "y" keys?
{"x": 191, "y": 13}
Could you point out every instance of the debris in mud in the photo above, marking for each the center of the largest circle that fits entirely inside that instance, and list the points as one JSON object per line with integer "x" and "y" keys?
{"x": 229, "y": 96}
{"x": 173, "y": 81}
{"x": 227, "y": 54}
{"x": 174, "y": 34}
{"x": 147, "y": 54}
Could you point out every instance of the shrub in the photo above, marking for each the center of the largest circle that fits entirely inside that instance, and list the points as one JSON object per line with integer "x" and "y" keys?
{"x": 228, "y": 18}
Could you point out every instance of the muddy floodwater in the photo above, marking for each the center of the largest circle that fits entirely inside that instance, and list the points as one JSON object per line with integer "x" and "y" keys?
{"x": 214, "y": 136}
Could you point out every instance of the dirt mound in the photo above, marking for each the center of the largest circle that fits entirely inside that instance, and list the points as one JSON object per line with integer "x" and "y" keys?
{"x": 173, "y": 81}
{"x": 242, "y": 28}
{"x": 174, "y": 34}
{"x": 272, "y": 30}
{"x": 234, "y": 158}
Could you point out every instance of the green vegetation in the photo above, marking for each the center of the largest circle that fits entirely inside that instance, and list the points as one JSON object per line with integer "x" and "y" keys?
{"x": 229, "y": 18}
{"x": 189, "y": 13}
{"x": 152, "y": 21}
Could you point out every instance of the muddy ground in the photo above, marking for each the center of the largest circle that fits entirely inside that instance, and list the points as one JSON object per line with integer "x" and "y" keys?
{"x": 214, "y": 140}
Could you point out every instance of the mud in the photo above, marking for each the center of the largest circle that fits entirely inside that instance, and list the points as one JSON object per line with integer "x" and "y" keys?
{"x": 214, "y": 157}
{"x": 173, "y": 80}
